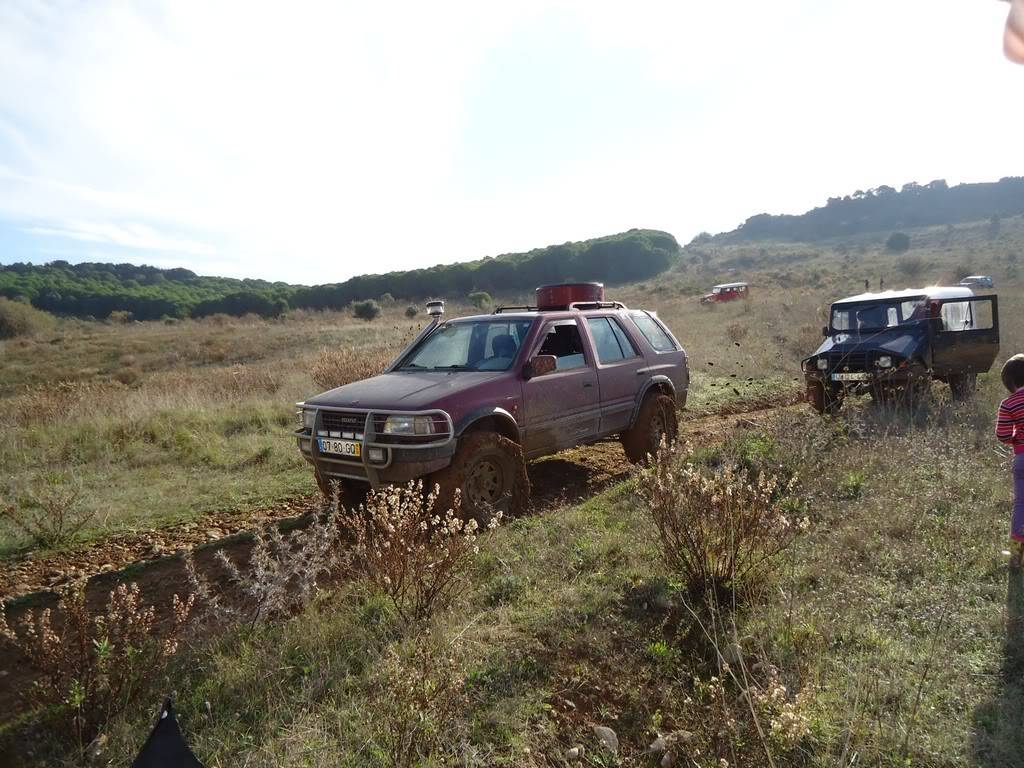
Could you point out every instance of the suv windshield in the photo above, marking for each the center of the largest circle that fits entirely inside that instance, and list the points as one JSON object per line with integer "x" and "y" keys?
{"x": 877, "y": 316}
{"x": 476, "y": 345}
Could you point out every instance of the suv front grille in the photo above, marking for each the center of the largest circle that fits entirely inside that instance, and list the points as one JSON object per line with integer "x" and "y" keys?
{"x": 346, "y": 423}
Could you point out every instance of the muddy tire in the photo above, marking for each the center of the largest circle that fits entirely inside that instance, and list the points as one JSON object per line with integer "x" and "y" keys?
{"x": 822, "y": 400}
{"x": 657, "y": 419}
{"x": 490, "y": 473}
{"x": 963, "y": 385}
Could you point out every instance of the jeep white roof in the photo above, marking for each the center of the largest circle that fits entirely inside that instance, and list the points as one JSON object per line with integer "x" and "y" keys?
{"x": 729, "y": 285}
{"x": 931, "y": 292}
{"x": 976, "y": 277}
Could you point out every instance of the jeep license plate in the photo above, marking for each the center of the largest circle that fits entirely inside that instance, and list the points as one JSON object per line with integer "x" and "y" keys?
{"x": 851, "y": 377}
{"x": 340, "y": 447}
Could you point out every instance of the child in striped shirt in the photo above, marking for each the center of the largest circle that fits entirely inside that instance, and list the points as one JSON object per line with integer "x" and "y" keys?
{"x": 1010, "y": 430}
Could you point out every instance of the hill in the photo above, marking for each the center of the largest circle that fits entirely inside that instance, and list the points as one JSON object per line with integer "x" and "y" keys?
{"x": 149, "y": 293}
{"x": 883, "y": 209}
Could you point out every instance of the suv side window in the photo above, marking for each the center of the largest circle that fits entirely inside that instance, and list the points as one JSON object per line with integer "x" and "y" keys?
{"x": 610, "y": 340}
{"x": 967, "y": 316}
{"x": 562, "y": 339}
{"x": 658, "y": 339}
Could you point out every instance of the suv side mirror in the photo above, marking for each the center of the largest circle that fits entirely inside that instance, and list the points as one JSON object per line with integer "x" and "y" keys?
{"x": 541, "y": 365}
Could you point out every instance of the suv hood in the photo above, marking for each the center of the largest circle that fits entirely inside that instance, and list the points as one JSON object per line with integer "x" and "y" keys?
{"x": 407, "y": 391}
{"x": 904, "y": 342}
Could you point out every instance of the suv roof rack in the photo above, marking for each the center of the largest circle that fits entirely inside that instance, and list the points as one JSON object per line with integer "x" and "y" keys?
{"x": 511, "y": 307}
{"x": 597, "y": 305}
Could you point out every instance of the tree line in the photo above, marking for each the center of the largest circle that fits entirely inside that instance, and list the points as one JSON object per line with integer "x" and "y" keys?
{"x": 885, "y": 209}
{"x": 149, "y": 293}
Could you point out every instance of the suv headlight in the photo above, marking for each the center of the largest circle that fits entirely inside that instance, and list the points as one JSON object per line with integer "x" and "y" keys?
{"x": 885, "y": 361}
{"x": 304, "y": 418}
{"x": 822, "y": 364}
{"x": 409, "y": 425}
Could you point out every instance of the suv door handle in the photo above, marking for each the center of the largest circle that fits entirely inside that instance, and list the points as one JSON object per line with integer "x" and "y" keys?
{"x": 588, "y": 384}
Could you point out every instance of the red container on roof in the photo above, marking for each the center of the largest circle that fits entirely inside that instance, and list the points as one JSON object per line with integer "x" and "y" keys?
{"x": 561, "y": 295}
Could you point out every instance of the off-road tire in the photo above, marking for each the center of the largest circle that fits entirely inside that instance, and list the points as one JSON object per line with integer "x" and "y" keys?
{"x": 963, "y": 386}
{"x": 822, "y": 400}
{"x": 490, "y": 472}
{"x": 657, "y": 419}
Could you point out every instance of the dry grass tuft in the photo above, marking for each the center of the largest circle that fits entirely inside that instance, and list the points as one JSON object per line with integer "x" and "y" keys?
{"x": 337, "y": 366}
{"x": 49, "y": 515}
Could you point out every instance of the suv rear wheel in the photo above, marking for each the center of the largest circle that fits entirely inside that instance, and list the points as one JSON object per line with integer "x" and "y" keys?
{"x": 657, "y": 420}
{"x": 490, "y": 472}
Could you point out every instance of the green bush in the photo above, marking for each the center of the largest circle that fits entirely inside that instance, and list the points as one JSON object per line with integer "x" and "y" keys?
{"x": 18, "y": 319}
{"x": 480, "y": 299}
{"x": 366, "y": 310}
{"x": 898, "y": 242}
{"x": 411, "y": 311}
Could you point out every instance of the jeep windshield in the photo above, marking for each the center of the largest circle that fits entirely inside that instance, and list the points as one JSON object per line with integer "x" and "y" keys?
{"x": 473, "y": 345}
{"x": 878, "y": 315}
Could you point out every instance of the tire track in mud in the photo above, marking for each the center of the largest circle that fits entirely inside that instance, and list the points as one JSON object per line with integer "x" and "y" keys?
{"x": 155, "y": 560}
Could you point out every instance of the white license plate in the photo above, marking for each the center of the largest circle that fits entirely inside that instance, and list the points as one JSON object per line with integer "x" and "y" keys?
{"x": 851, "y": 377}
{"x": 340, "y": 447}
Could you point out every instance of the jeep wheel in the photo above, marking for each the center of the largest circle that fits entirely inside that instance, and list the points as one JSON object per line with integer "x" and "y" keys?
{"x": 822, "y": 399}
{"x": 657, "y": 420}
{"x": 963, "y": 385}
{"x": 490, "y": 472}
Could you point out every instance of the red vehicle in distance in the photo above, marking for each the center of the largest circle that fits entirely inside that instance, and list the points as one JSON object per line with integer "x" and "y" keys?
{"x": 726, "y": 292}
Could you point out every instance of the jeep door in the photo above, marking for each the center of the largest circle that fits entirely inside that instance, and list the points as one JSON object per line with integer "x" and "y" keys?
{"x": 619, "y": 364}
{"x": 965, "y": 334}
{"x": 562, "y": 407}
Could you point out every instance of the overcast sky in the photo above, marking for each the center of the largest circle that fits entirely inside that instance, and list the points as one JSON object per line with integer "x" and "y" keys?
{"x": 310, "y": 142}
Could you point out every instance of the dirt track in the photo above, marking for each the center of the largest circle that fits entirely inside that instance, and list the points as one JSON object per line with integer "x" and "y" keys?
{"x": 154, "y": 560}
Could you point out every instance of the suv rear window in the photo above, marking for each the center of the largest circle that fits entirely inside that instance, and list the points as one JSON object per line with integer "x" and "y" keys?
{"x": 652, "y": 331}
{"x": 610, "y": 340}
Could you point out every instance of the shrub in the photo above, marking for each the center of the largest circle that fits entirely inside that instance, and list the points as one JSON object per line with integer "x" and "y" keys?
{"x": 48, "y": 516}
{"x": 736, "y": 332}
{"x": 282, "y": 574}
{"x": 911, "y": 266}
{"x": 417, "y": 556}
{"x": 411, "y": 311}
{"x": 337, "y": 366}
{"x": 480, "y": 299}
{"x": 418, "y": 695}
{"x": 91, "y": 669}
{"x": 128, "y": 376}
{"x": 386, "y": 299}
{"x": 716, "y": 527}
{"x": 366, "y": 310}
{"x": 18, "y": 319}
{"x": 898, "y": 242}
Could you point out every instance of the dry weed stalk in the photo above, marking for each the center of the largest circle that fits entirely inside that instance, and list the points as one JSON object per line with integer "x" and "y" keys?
{"x": 418, "y": 557}
{"x": 93, "y": 668}
{"x": 716, "y": 528}
{"x": 282, "y": 576}
{"x": 417, "y": 700}
{"x": 48, "y": 516}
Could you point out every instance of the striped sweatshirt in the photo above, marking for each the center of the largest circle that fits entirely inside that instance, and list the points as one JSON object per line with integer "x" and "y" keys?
{"x": 1010, "y": 421}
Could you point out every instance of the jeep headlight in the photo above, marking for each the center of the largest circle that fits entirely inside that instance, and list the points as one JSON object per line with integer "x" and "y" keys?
{"x": 822, "y": 364}
{"x": 304, "y": 418}
{"x": 885, "y": 361}
{"x": 409, "y": 425}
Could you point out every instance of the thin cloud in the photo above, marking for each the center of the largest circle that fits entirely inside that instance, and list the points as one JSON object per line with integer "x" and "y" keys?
{"x": 127, "y": 236}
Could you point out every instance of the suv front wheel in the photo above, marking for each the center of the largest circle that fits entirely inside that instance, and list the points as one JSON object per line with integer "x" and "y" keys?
{"x": 656, "y": 421}
{"x": 490, "y": 472}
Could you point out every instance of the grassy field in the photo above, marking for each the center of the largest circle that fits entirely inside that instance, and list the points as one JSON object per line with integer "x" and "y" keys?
{"x": 892, "y": 621}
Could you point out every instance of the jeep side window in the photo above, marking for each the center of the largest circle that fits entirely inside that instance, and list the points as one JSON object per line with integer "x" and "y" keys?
{"x": 967, "y": 316}
{"x": 610, "y": 340}
{"x": 563, "y": 340}
{"x": 648, "y": 326}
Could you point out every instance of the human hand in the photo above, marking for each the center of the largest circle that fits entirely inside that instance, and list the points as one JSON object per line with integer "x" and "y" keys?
{"x": 1013, "y": 38}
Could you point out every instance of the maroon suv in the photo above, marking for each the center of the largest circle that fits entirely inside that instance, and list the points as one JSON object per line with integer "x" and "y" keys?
{"x": 472, "y": 399}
